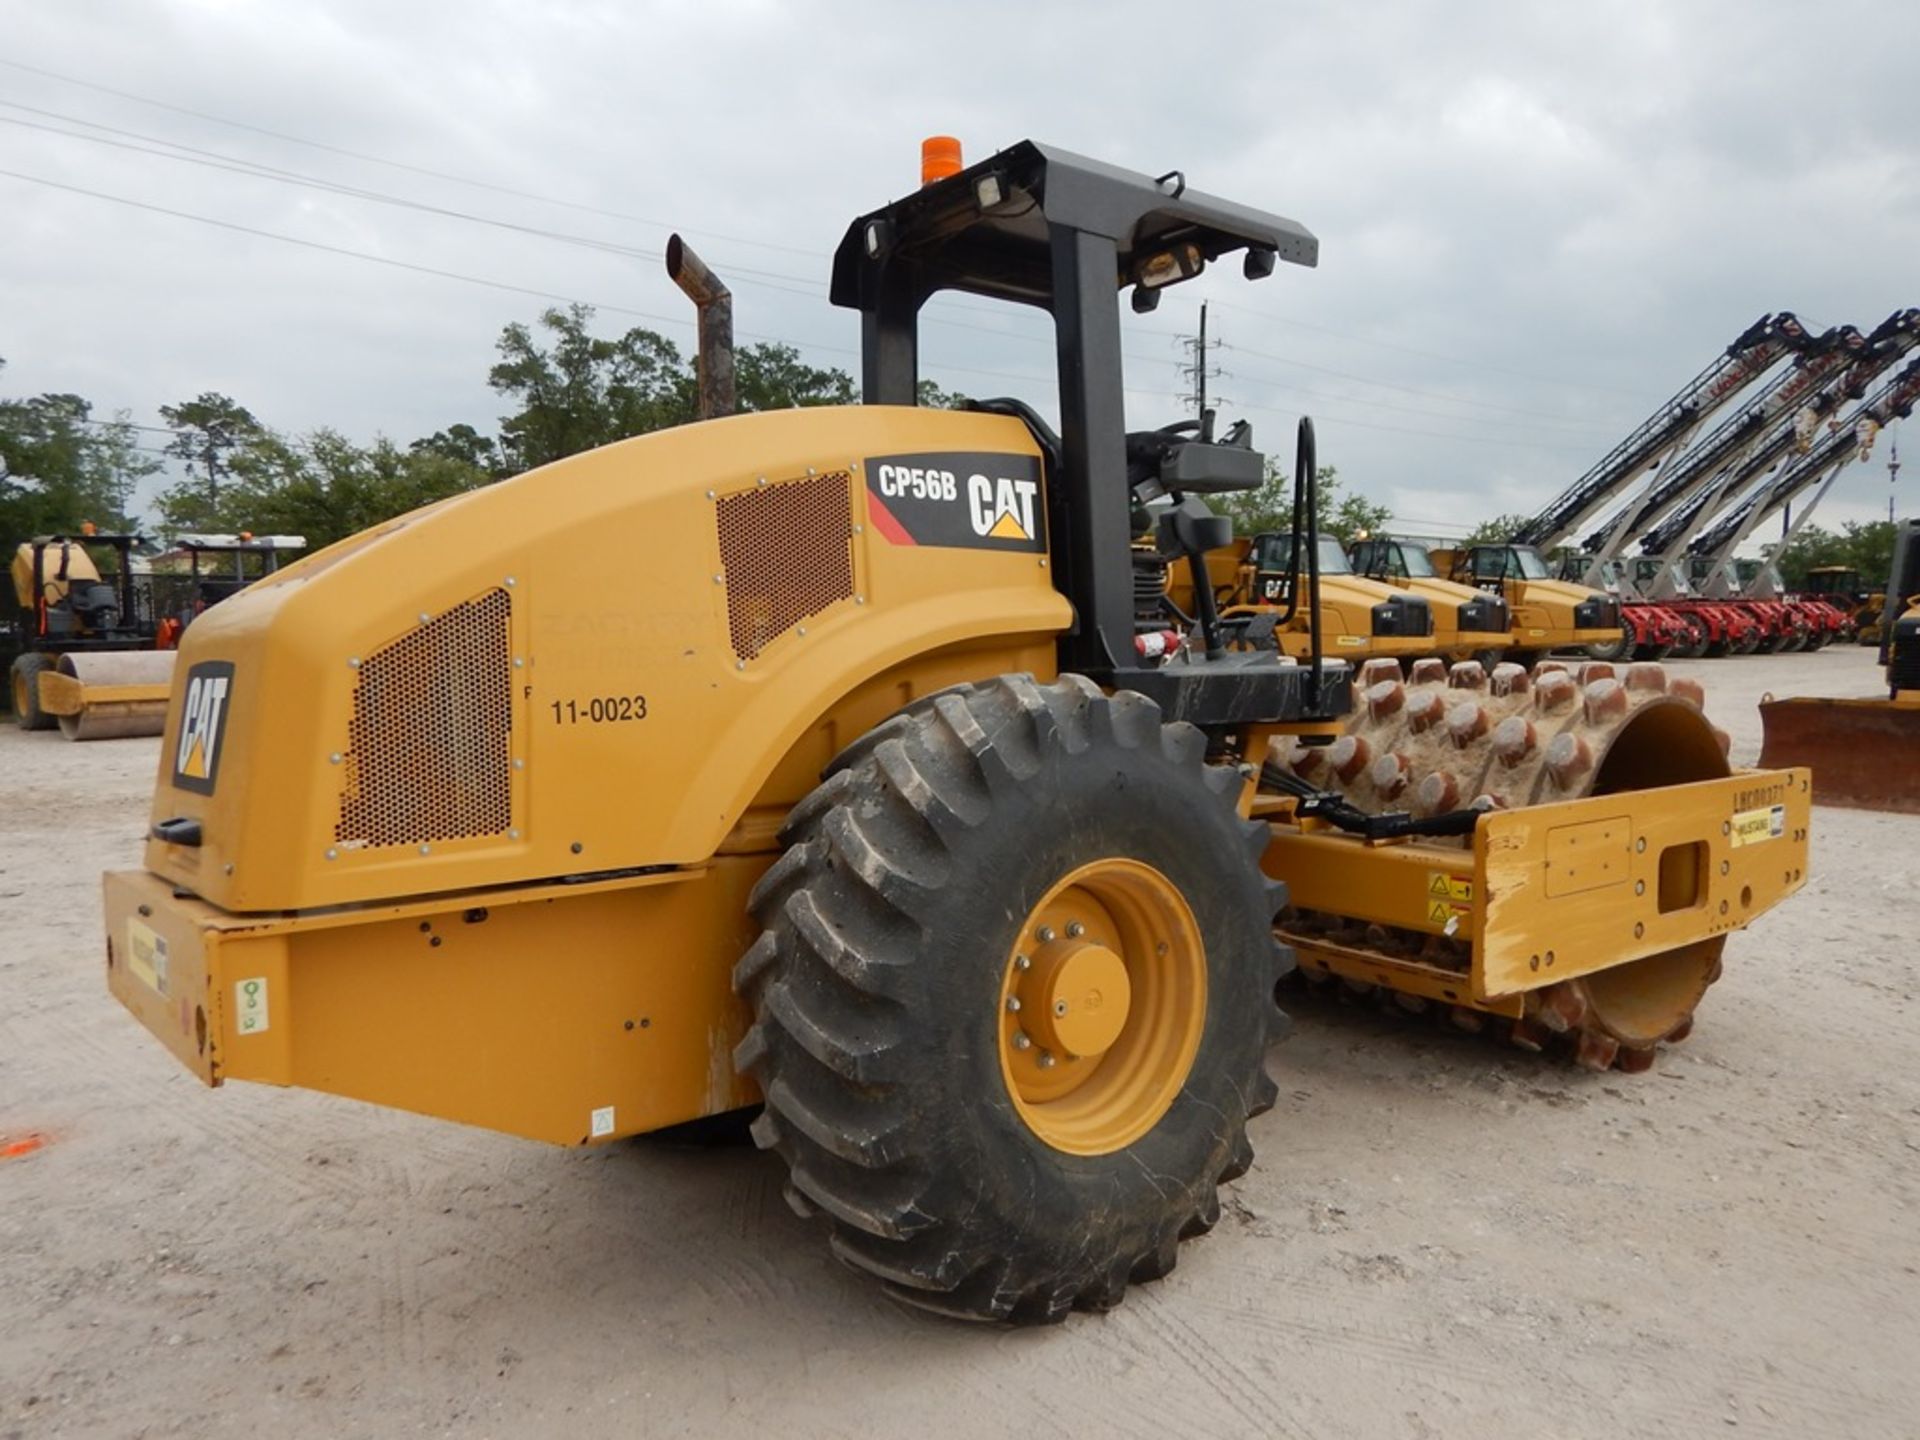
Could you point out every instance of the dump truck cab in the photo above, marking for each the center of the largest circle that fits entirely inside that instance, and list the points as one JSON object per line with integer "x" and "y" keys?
{"x": 1467, "y": 623}
{"x": 1255, "y": 577}
{"x": 1361, "y": 616}
{"x": 1548, "y": 614}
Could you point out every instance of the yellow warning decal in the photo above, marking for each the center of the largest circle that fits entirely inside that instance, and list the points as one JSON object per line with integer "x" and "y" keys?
{"x": 1449, "y": 901}
{"x": 147, "y": 955}
{"x": 1751, "y": 827}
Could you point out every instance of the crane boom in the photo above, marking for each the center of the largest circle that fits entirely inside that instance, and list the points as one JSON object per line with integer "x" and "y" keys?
{"x": 1756, "y": 350}
{"x": 1694, "y": 470}
{"x": 1742, "y": 447}
{"x": 1821, "y": 465}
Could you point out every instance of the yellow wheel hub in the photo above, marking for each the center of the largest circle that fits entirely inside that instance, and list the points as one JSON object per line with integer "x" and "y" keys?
{"x": 1102, "y": 1004}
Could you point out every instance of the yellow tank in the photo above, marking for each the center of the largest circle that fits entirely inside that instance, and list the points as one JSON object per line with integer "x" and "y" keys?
{"x": 62, "y": 563}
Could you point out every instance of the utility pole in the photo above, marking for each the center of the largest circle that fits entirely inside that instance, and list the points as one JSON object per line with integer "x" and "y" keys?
{"x": 1199, "y": 369}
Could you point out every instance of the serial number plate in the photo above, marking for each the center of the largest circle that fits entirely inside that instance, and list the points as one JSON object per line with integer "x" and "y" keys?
{"x": 600, "y": 710}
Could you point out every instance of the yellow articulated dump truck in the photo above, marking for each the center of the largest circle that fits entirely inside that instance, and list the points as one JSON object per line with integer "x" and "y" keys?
{"x": 866, "y": 804}
{"x": 1547, "y": 614}
{"x": 1468, "y": 624}
{"x": 1360, "y": 618}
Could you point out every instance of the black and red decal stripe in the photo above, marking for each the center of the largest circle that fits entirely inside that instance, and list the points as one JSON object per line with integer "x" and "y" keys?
{"x": 885, "y": 522}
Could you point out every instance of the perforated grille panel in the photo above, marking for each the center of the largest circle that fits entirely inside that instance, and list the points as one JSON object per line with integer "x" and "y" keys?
{"x": 429, "y": 747}
{"x": 787, "y": 551}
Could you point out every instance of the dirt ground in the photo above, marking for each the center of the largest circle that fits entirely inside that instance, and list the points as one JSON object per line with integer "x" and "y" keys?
{"x": 1439, "y": 1238}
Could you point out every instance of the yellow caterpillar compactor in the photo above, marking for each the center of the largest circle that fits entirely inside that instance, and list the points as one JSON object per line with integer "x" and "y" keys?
{"x": 1866, "y": 750}
{"x": 85, "y": 645}
{"x": 870, "y": 801}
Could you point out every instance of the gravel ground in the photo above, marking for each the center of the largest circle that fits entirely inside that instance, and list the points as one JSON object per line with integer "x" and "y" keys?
{"x": 1440, "y": 1237}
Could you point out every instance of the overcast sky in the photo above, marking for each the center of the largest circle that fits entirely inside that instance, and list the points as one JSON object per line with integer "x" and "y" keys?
{"x": 1536, "y": 221}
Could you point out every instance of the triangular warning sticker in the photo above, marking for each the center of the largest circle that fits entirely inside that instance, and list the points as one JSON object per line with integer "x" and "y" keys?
{"x": 196, "y": 765}
{"x": 1437, "y": 885}
{"x": 1008, "y": 528}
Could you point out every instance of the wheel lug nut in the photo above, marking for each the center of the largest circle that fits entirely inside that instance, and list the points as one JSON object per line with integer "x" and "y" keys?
{"x": 1020, "y": 1040}
{"x": 1076, "y": 930}
{"x": 1045, "y": 933}
{"x": 1021, "y": 962}
{"x": 1046, "y": 1060}
{"x": 1013, "y": 1002}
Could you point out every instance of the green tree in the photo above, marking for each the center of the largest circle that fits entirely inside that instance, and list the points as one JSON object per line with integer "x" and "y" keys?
{"x": 206, "y": 432}
{"x": 932, "y": 397}
{"x": 1270, "y": 506}
{"x": 465, "y": 444}
{"x": 577, "y": 392}
{"x": 1866, "y": 547}
{"x": 1497, "y": 531}
{"x": 59, "y": 467}
{"x": 771, "y": 376}
{"x": 323, "y": 486}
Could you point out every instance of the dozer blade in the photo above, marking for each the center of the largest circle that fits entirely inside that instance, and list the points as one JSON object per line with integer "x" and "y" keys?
{"x": 1864, "y": 754}
{"x": 109, "y": 695}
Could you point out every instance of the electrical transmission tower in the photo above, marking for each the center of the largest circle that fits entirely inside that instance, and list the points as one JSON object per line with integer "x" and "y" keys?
{"x": 1199, "y": 368}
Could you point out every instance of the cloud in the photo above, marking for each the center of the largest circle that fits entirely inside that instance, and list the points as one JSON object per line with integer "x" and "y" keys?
{"x": 1536, "y": 222}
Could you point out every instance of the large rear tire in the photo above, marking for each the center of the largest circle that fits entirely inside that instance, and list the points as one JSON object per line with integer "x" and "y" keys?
{"x": 25, "y": 677}
{"x": 1620, "y": 649}
{"x": 994, "y": 878}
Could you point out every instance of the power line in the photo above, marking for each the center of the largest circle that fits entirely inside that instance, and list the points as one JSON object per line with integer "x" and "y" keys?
{"x": 380, "y": 159}
{"x": 1277, "y": 384}
{"x": 536, "y": 293}
{"x": 321, "y": 245}
{"x": 1425, "y": 354}
{"x": 535, "y": 196}
{"x": 1540, "y": 418}
{"x": 215, "y": 160}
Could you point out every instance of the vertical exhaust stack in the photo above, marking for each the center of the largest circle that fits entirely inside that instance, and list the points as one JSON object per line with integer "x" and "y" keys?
{"x": 715, "y": 303}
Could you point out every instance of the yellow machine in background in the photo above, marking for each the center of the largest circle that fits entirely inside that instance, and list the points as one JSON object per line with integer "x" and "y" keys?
{"x": 1548, "y": 614}
{"x": 1468, "y": 624}
{"x": 1864, "y": 751}
{"x": 85, "y": 656}
{"x": 870, "y": 800}
{"x": 1360, "y": 618}
{"x": 95, "y": 655}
